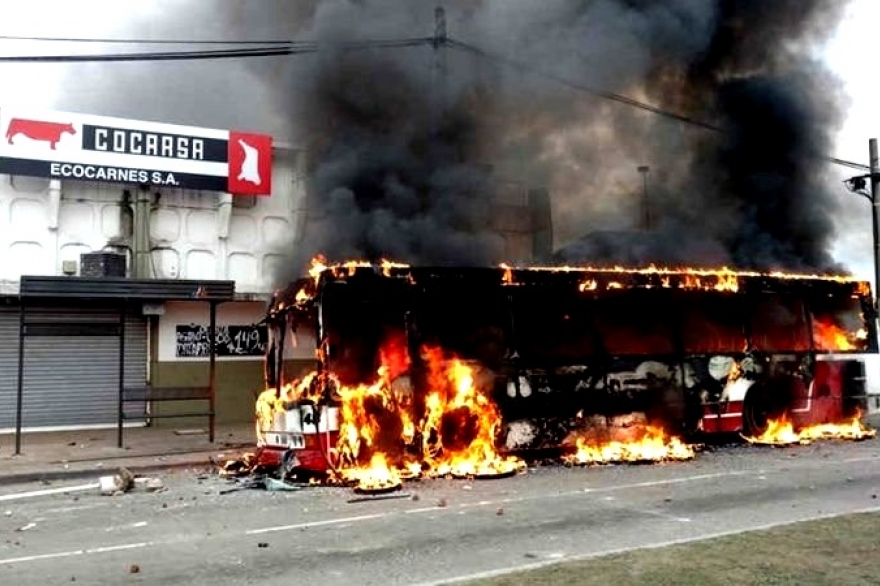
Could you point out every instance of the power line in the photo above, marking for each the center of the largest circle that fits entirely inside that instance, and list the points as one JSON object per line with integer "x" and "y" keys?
{"x": 273, "y": 48}
{"x": 610, "y": 95}
{"x": 290, "y": 49}
{"x": 145, "y": 41}
{"x": 155, "y": 56}
{"x": 581, "y": 87}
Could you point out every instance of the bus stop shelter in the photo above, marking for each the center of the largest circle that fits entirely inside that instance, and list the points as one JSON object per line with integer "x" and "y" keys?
{"x": 119, "y": 295}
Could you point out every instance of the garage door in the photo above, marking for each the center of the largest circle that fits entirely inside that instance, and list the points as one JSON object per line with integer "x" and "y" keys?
{"x": 68, "y": 380}
{"x": 8, "y": 366}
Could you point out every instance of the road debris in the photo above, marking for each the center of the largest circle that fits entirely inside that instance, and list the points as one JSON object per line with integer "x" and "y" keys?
{"x": 262, "y": 483}
{"x": 150, "y": 484}
{"x": 49, "y": 491}
{"x": 279, "y": 485}
{"x": 381, "y": 497}
{"x": 27, "y": 527}
{"x": 134, "y": 569}
{"x": 119, "y": 483}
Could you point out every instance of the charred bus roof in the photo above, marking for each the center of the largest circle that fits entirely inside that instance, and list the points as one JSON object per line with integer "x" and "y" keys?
{"x": 303, "y": 292}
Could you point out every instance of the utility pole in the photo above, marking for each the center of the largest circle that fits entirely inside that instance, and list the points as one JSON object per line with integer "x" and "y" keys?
{"x": 859, "y": 185}
{"x": 875, "y": 214}
{"x": 646, "y": 203}
{"x": 438, "y": 69}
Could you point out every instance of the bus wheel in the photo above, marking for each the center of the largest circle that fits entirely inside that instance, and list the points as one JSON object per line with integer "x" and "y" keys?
{"x": 762, "y": 405}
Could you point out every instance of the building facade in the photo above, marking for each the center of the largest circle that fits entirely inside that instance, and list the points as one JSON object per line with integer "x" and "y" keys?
{"x": 74, "y": 227}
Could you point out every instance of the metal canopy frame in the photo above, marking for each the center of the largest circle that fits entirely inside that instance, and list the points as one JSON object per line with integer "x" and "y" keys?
{"x": 116, "y": 293}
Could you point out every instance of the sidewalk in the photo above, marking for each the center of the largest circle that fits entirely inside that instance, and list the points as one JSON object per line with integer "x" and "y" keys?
{"x": 89, "y": 453}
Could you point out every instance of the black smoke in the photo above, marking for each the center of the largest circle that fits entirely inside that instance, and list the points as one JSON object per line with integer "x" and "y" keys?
{"x": 400, "y": 169}
{"x": 401, "y": 165}
{"x": 394, "y": 173}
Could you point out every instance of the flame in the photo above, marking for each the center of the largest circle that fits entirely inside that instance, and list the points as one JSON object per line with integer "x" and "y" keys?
{"x": 781, "y": 432}
{"x": 588, "y": 285}
{"x": 719, "y": 279}
{"x": 375, "y": 476}
{"x": 380, "y": 439}
{"x": 461, "y": 423}
{"x": 828, "y": 336}
{"x": 724, "y": 276}
{"x": 507, "y": 277}
{"x": 317, "y": 265}
{"x": 646, "y": 443}
{"x": 270, "y": 402}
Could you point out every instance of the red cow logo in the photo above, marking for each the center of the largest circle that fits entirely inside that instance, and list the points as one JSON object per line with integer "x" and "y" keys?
{"x": 50, "y": 132}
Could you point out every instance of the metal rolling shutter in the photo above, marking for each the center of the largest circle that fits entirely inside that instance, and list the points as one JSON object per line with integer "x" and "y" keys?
{"x": 71, "y": 381}
{"x": 8, "y": 366}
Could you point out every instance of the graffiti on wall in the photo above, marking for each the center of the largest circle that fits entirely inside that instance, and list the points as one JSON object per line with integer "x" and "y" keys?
{"x": 192, "y": 341}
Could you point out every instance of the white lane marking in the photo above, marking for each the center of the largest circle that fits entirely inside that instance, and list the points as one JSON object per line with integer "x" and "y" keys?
{"x": 661, "y": 514}
{"x": 319, "y": 523}
{"x": 76, "y": 552}
{"x": 858, "y": 459}
{"x": 485, "y": 503}
{"x": 423, "y": 510}
{"x": 129, "y": 526}
{"x": 75, "y": 508}
{"x": 602, "y": 553}
{"x": 48, "y": 491}
{"x": 651, "y": 483}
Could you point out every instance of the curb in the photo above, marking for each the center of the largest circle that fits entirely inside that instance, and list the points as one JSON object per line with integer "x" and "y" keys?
{"x": 26, "y": 477}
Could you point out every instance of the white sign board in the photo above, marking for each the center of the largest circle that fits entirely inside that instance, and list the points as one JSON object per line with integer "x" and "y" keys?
{"x": 62, "y": 145}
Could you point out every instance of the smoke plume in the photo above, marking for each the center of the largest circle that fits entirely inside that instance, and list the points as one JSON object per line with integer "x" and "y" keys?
{"x": 400, "y": 170}
{"x": 409, "y": 149}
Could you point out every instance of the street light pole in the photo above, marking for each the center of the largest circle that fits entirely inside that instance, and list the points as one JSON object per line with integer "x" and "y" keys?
{"x": 646, "y": 203}
{"x": 859, "y": 186}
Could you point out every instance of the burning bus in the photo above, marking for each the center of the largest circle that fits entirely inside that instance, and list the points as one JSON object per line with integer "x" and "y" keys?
{"x": 452, "y": 370}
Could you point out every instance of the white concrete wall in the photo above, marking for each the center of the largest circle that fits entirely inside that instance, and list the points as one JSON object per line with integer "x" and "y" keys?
{"x": 240, "y": 313}
{"x": 195, "y": 235}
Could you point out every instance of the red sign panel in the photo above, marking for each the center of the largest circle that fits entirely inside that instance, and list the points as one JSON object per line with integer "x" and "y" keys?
{"x": 250, "y": 163}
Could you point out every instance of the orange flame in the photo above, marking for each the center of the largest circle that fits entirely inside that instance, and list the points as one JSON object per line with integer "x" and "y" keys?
{"x": 720, "y": 279}
{"x": 828, "y": 336}
{"x": 379, "y": 440}
{"x": 269, "y": 404}
{"x": 461, "y": 423}
{"x": 376, "y": 476}
{"x": 588, "y": 285}
{"x": 640, "y": 443}
{"x": 781, "y": 432}
{"x": 507, "y": 277}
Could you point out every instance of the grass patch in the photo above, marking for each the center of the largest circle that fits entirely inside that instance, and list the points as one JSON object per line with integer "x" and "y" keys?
{"x": 843, "y": 550}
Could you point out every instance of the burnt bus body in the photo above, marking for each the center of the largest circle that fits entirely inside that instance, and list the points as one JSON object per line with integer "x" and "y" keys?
{"x": 707, "y": 352}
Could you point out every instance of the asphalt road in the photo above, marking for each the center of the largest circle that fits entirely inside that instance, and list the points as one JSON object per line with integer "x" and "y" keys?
{"x": 190, "y": 534}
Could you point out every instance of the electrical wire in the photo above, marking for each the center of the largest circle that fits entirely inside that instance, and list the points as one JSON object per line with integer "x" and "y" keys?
{"x": 290, "y": 49}
{"x": 516, "y": 64}
{"x": 156, "y": 56}
{"x": 144, "y": 41}
{"x": 274, "y": 48}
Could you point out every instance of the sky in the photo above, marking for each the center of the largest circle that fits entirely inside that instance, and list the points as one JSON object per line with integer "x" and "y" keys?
{"x": 53, "y": 85}
{"x": 851, "y": 54}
